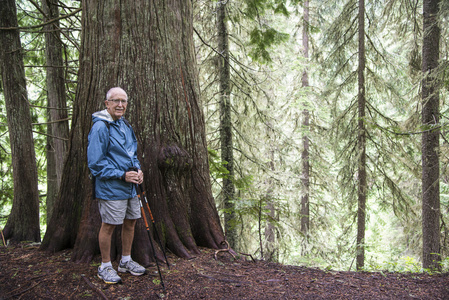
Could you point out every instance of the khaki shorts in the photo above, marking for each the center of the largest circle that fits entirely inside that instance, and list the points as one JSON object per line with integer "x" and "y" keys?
{"x": 115, "y": 211}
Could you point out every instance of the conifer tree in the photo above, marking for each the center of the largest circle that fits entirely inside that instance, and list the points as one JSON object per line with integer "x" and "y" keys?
{"x": 58, "y": 126}
{"x": 226, "y": 134}
{"x": 366, "y": 145}
{"x": 430, "y": 136}
{"x": 23, "y": 222}
{"x": 305, "y": 176}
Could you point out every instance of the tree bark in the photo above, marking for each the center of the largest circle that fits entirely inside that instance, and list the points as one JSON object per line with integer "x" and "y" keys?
{"x": 362, "y": 182}
{"x": 146, "y": 47}
{"x": 227, "y": 154}
{"x": 430, "y": 137}
{"x": 58, "y": 131}
{"x": 23, "y": 222}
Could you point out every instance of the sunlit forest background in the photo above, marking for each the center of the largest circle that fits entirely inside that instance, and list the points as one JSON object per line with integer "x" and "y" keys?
{"x": 290, "y": 81}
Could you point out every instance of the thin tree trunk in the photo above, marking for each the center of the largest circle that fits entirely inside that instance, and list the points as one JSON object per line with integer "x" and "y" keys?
{"x": 56, "y": 102}
{"x": 23, "y": 222}
{"x": 305, "y": 177}
{"x": 430, "y": 137}
{"x": 362, "y": 182}
{"x": 271, "y": 249}
{"x": 227, "y": 154}
{"x": 271, "y": 233}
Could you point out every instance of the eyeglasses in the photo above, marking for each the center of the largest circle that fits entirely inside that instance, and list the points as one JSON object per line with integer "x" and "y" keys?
{"x": 118, "y": 101}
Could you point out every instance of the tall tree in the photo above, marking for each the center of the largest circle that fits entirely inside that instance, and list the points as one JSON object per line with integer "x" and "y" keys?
{"x": 226, "y": 146}
{"x": 305, "y": 176}
{"x": 23, "y": 222}
{"x": 166, "y": 115}
{"x": 430, "y": 137}
{"x": 362, "y": 186}
{"x": 361, "y": 154}
{"x": 58, "y": 126}
{"x": 226, "y": 67}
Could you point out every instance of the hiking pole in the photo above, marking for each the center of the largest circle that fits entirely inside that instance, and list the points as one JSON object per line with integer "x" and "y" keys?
{"x": 149, "y": 235}
{"x": 154, "y": 224}
{"x": 142, "y": 191}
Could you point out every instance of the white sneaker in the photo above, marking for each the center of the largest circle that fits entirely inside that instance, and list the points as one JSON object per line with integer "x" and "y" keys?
{"x": 131, "y": 267}
{"x": 109, "y": 275}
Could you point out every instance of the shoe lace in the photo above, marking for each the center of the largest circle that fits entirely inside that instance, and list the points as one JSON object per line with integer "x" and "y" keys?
{"x": 132, "y": 264}
{"x": 110, "y": 271}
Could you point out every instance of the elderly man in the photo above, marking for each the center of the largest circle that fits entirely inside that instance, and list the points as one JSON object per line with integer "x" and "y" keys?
{"x": 111, "y": 152}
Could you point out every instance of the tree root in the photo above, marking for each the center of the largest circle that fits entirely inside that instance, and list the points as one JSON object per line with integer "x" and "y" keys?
{"x": 230, "y": 251}
{"x": 221, "y": 279}
{"x": 102, "y": 295}
{"x": 23, "y": 291}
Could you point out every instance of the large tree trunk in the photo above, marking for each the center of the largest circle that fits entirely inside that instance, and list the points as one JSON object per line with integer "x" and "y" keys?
{"x": 305, "y": 177}
{"x": 362, "y": 183}
{"x": 58, "y": 126}
{"x": 430, "y": 137}
{"x": 146, "y": 47}
{"x": 227, "y": 153}
{"x": 23, "y": 222}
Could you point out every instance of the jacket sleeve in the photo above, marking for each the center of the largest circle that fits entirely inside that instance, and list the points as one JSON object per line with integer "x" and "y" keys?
{"x": 97, "y": 147}
{"x": 135, "y": 158}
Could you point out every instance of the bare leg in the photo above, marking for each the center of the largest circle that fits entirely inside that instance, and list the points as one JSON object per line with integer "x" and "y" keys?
{"x": 104, "y": 240}
{"x": 127, "y": 236}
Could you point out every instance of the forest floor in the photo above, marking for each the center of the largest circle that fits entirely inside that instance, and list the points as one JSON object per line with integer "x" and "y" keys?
{"x": 28, "y": 273}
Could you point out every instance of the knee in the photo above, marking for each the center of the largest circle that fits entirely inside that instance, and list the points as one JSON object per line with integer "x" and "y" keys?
{"x": 107, "y": 229}
{"x": 129, "y": 224}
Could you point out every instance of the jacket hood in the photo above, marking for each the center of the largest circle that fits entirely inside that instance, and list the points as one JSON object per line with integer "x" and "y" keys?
{"x": 102, "y": 115}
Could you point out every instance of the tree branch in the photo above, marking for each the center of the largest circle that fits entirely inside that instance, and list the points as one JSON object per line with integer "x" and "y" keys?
{"x": 45, "y": 23}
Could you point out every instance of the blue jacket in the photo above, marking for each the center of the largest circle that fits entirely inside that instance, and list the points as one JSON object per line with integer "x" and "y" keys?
{"x": 110, "y": 153}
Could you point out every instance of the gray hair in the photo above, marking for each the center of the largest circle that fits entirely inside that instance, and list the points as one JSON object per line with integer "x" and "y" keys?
{"x": 108, "y": 94}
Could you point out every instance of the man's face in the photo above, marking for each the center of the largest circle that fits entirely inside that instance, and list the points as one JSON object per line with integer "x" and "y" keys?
{"x": 115, "y": 107}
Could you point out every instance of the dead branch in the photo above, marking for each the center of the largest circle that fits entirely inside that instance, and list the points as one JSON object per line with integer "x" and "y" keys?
{"x": 252, "y": 258}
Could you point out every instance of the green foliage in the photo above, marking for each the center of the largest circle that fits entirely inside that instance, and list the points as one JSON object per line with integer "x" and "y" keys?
{"x": 262, "y": 40}
{"x": 216, "y": 166}
{"x": 262, "y": 35}
{"x": 256, "y": 8}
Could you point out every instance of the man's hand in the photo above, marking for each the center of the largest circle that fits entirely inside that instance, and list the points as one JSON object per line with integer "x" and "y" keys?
{"x": 134, "y": 177}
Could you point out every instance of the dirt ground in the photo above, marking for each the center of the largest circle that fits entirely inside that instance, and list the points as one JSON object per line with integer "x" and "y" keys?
{"x": 28, "y": 273}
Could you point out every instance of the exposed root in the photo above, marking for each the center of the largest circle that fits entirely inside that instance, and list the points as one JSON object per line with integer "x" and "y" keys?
{"x": 23, "y": 291}
{"x": 102, "y": 295}
{"x": 230, "y": 251}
